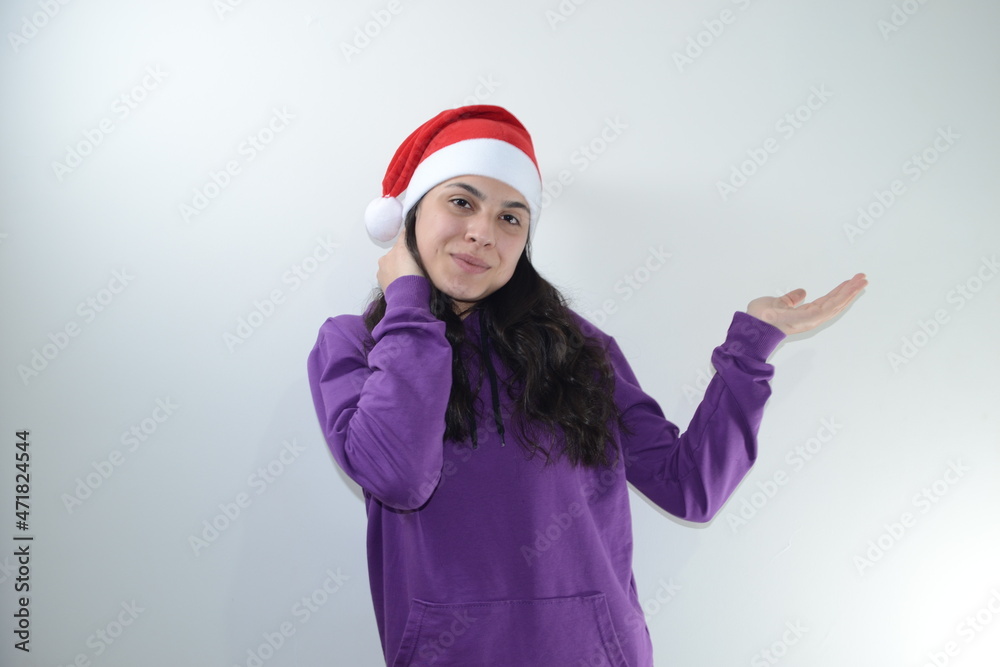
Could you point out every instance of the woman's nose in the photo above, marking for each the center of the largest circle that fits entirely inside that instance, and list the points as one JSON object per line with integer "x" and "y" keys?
{"x": 480, "y": 229}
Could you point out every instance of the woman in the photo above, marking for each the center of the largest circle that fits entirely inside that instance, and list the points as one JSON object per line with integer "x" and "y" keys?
{"x": 493, "y": 430}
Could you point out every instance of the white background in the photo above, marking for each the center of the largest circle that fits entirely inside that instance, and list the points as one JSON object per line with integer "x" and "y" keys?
{"x": 909, "y": 397}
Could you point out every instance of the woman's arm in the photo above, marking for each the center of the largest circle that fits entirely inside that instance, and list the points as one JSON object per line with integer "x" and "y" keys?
{"x": 384, "y": 416}
{"x": 691, "y": 475}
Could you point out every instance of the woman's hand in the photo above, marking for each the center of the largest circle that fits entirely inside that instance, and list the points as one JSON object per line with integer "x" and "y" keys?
{"x": 395, "y": 263}
{"x": 785, "y": 313}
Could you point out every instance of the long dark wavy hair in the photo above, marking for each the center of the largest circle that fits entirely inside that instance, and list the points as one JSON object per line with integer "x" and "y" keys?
{"x": 562, "y": 380}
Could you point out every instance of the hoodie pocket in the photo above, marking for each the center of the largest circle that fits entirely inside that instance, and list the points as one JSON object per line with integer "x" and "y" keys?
{"x": 555, "y": 632}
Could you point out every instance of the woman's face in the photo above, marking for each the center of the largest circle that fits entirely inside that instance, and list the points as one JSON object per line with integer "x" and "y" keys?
{"x": 471, "y": 231}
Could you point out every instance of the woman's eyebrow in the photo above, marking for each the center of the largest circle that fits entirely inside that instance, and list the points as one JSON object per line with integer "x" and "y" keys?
{"x": 475, "y": 192}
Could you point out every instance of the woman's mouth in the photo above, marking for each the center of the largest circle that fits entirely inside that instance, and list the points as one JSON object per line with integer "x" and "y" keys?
{"x": 470, "y": 264}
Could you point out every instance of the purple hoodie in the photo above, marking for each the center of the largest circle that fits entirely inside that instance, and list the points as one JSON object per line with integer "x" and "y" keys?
{"x": 483, "y": 556}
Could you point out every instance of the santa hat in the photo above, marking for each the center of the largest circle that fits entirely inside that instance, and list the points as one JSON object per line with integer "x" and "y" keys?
{"x": 479, "y": 140}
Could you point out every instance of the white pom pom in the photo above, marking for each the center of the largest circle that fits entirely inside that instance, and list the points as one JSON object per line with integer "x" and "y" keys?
{"x": 383, "y": 218}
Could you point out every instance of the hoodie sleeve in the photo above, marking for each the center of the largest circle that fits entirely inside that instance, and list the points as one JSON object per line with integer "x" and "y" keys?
{"x": 691, "y": 475}
{"x": 383, "y": 415}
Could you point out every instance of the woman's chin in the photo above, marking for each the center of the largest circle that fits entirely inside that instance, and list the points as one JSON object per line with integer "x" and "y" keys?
{"x": 464, "y": 299}
{"x": 463, "y": 293}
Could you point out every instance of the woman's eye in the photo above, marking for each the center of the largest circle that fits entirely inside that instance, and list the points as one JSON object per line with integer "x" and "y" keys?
{"x": 512, "y": 220}
{"x": 461, "y": 202}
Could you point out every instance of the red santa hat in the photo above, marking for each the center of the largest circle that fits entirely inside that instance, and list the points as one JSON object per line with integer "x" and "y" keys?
{"x": 479, "y": 140}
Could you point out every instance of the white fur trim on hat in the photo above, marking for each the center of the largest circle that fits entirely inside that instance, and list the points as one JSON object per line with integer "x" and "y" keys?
{"x": 478, "y": 157}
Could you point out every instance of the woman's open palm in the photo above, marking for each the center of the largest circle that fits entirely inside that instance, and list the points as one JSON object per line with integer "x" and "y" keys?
{"x": 785, "y": 312}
